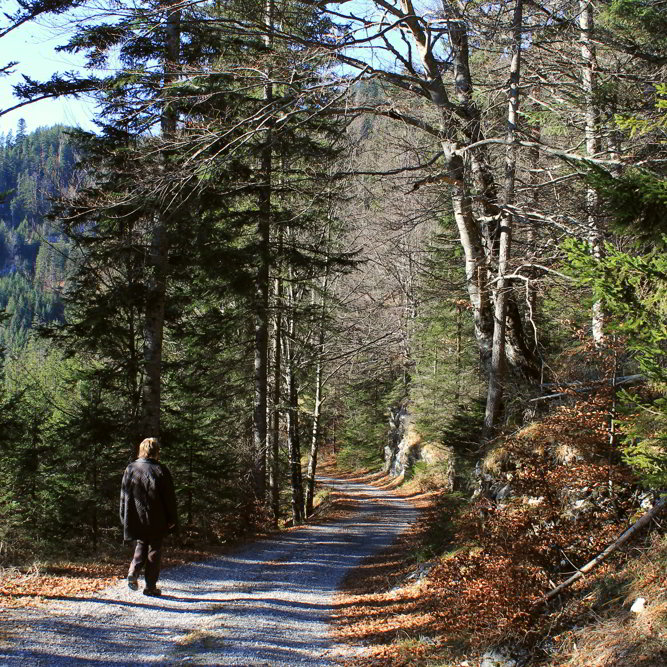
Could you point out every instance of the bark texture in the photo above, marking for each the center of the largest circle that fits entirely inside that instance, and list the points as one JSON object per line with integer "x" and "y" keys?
{"x": 592, "y": 126}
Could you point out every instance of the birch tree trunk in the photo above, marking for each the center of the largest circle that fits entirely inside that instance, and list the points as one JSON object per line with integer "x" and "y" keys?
{"x": 157, "y": 255}
{"x": 477, "y": 240}
{"x": 317, "y": 409}
{"x": 470, "y": 236}
{"x": 592, "y": 117}
{"x": 467, "y": 161}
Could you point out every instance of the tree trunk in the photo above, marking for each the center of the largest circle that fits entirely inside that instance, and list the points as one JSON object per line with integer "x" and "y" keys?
{"x": 459, "y": 357}
{"x": 315, "y": 438}
{"x": 293, "y": 443}
{"x": 531, "y": 289}
{"x": 317, "y": 409}
{"x": 153, "y": 330}
{"x": 294, "y": 446}
{"x": 274, "y": 434}
{"x": 592, "y": 117}
{"x": 262, "y": 288}
{"x": 497, "y": 377}
{"x": 476, "y": 268}
{"x": 157, "y": 252}
{"x": 479, "y": 232}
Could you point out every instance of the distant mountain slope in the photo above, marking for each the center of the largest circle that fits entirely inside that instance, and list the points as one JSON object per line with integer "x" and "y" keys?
{"x": 34, "y": 168}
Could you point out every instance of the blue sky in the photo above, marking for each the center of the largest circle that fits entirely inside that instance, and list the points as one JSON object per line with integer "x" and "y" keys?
{"x": 32, "y": 45}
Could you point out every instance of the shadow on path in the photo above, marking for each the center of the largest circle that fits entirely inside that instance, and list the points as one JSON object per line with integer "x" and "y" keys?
{"x": 268, "y": 603}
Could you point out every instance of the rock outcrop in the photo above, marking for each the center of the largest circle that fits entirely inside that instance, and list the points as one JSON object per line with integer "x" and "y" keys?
{"x": 405, "y": 447}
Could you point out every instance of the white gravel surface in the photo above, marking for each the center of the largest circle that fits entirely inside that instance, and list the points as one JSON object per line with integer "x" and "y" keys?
{"x": 268, "y": 603}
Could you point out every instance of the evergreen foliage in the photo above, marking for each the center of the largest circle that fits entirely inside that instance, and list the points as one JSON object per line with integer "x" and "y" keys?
{"x": 366, "y": 404}
{"x": 446, "y": 380}
{"x": 641, "y": 23}
{"x": 632, "y": 285}
{"x": 202, "y": 182}
{"x": 254, "y": 142}
{"x": 638, "y": 199}
{"x": 634, "y": 291}
{"x": 35, "y": 168}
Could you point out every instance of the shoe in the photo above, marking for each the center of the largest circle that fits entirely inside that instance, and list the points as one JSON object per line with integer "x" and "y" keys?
{"x": 132, "y": 582}
{"x": 152, "y": 592}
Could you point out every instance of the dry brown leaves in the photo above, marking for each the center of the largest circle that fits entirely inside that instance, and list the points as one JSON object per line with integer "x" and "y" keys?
{"x": 490, "y": 591}
{"x": 30, "y": 586}
{"x": 613, "y": 635}
{"x": 27, "y": 588}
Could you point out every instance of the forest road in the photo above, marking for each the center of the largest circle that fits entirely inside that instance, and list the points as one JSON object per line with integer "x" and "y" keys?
{"x": 267, "y": 603}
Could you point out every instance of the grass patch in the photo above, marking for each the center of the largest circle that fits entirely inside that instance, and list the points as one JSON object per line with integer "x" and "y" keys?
{"x": 202, "y": 637}
{"x": 322, "y": 498}
{"x": 359, "y": 457}
{"x": 417, "y": 470}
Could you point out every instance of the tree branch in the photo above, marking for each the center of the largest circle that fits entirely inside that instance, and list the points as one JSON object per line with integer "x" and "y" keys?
{"x": 630, "y": 532}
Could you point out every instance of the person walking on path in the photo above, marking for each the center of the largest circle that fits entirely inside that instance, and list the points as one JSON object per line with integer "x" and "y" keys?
{"x": 148, "y": 513}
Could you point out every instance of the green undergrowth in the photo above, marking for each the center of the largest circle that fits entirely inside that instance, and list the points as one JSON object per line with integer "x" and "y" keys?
{"x": 359, "y": 456}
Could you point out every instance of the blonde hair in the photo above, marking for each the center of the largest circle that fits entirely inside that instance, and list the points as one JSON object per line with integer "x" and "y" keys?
{"x": 149, "y": 449}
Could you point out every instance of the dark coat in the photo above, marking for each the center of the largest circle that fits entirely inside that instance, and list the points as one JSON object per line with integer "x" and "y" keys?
{"x": 147, "y": 501}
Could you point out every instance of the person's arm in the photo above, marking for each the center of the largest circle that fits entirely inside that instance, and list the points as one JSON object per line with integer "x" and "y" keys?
{"x": 169, "y": 500}
{"x": 123, "y": 494}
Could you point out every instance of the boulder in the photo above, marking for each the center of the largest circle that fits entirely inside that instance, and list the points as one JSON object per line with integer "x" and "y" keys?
{"x": 497, "y": 658}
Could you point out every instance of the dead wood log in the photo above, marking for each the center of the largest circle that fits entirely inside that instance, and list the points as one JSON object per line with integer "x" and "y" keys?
{"x": 584, "y": 388}
{"x": 635, "y": 528}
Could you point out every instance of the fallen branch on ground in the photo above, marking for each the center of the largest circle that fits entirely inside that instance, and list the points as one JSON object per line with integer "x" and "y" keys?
{"x": 635, "y": 528}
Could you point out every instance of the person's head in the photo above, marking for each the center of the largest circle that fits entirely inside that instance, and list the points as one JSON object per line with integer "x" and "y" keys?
{"x": 149, "y": 449}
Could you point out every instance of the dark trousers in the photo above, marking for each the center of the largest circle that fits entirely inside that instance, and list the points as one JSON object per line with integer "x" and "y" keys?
{"x": 148, "y": 554}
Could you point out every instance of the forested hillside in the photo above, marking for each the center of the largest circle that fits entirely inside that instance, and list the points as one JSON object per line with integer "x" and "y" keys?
{"x": 430, "y": 240}
{"x": 35, "y": 168}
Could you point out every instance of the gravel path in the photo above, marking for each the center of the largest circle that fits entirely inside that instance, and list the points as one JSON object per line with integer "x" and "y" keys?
{"x": 269, "y": 603}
